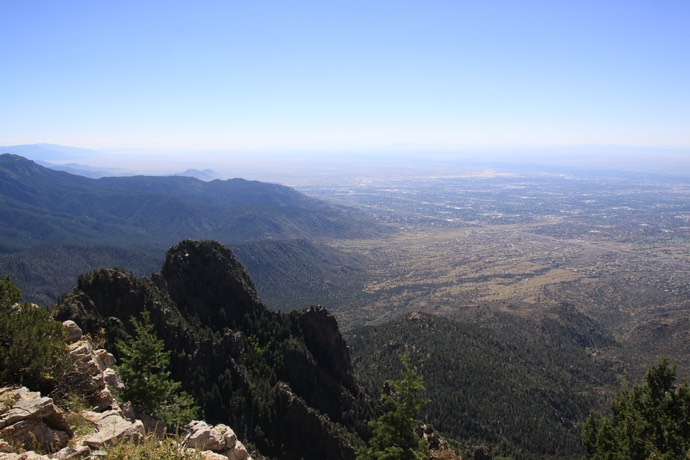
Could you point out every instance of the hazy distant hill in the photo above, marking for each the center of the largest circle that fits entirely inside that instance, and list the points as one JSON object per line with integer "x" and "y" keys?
{"x": 48, "y": 152}
{"x": 84, "y": 170}
{"x": 41, "y": 207}
{"x": 204, "y": 175}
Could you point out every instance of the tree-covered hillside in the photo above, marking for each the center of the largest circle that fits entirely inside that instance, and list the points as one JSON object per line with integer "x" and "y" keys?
{"x": 41, "y": 206}
{"x": 524, "y": 394}
{"x": 56, "y": 226}
{"x": 283, "y": 381}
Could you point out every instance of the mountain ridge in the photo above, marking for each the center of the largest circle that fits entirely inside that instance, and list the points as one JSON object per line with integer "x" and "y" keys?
{"x": 157, "y": 211}
{"x": 246, "y": 365}
{"x": 142, "y": 216}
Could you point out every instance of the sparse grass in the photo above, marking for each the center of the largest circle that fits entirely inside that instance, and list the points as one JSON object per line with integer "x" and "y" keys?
{"x": 152, "y": 448}
{"x": 72, "y": 403}
{"x": 80, "y": 426}
{"x": 7, "y": 401}
{"x": 16, "y": 446}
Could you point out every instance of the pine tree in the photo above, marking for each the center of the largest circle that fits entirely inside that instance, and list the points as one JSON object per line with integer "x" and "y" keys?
{"x": 395, "y": 436}
{"x": 649, "y": 421}
{"x": 33, "y": 349}
{"x": 9, "y": 292}
{"x": 148, "y": 384}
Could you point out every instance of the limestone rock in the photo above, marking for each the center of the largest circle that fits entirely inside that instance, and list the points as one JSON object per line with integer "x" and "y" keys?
{"x": 204, "y": 437}
{"x": 111, "y": 426}
{"x": 239, "y": 452}
{"x": 68, "y": 453}
{"x": 107, "y": 358}
{"x": 216, "y": 442}
{"x": 5, "y": 447}
{"x": 30, "y": 455}
{"x": 103, "y": 400}
{"x": 128, "y": 411}
{"x": 113, "y": 380}
{"x": 74, "y": 332}
{"x": 87, "y": 377}
{"x": 32, "y": 420}
{"x": 210, "y": 455}
{"x": 23, "y": 404}
{"x": 36, "y": 434}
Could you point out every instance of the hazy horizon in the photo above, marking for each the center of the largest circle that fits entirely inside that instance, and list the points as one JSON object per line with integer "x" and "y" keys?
{"x": 345, "y": 76}
{"x": 318, "y": 167}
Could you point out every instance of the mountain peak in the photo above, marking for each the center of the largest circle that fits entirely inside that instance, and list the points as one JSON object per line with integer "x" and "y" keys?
{"x": 205, "y": 279}
{"x": 232, "y": 353}
{"x": 9, "y": 160}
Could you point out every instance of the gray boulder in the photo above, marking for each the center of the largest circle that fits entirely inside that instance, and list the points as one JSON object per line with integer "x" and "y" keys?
{"x": 110, "y": 427}
{"x": 215, "y": 442}
{"x": 32, "y": 420}
{"x": 74, "y": 332}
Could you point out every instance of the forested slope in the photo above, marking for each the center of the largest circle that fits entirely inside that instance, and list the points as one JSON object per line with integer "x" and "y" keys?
{"x": 525, "y": 394}
{"x": 284, "y": 381}
{"x": 57, "y": 225}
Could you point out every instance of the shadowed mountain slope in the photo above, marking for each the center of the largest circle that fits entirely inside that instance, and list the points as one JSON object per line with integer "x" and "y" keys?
{"x": 39, "y": 205}
{"x": 246, "y": 365}
{"x": 297, "y": 272}
{"x": 56, "y": 225}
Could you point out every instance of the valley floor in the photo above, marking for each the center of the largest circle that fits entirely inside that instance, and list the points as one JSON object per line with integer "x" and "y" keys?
{"x": 640, "y": 293}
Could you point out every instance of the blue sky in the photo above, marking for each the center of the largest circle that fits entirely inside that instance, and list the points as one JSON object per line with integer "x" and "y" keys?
{"x": 338, "y": 75}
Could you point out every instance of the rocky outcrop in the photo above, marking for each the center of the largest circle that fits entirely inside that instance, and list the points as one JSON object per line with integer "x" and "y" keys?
{"x": 318, "y": 436}
{"x": 215, "y": 441}
{"x": 30, "y": 455}
{"x": 29, "y": 421}
{"x": 88, "y": 377}
{"x": 324, "y": 378}
{"x": 323, "y": 338}
{"x": 73, "y": 331}
{"x": 111, "y": 426}
{"x": 32, "y": 421}
{"x": 230, "y": 351}
{"x": 202, "y": 276}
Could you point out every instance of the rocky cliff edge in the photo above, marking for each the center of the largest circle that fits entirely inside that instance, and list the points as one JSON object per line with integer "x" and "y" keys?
{"x": 30, "y": 422}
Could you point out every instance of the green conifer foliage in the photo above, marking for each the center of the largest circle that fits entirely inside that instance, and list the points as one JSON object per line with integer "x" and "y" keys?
{"x": 9, "y": 292}
{"x": 33, "y": 349}
{"x": 651, "y": 420}
{"x": 394, "y": 436}
{"x": 148, "y": 385}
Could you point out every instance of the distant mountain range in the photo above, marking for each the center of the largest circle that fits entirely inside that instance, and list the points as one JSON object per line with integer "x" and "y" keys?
{"x": 65, "y": 158}
{"x": 49, "y": 152}
{"x": 44, "y": 207}
{"x": 41, "y": 206}
{"x": 204, "y": 174}
{"x": 84, "y": 170}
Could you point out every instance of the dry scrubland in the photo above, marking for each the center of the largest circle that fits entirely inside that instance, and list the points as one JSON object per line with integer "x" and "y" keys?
{"x": 617, "y": 250}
